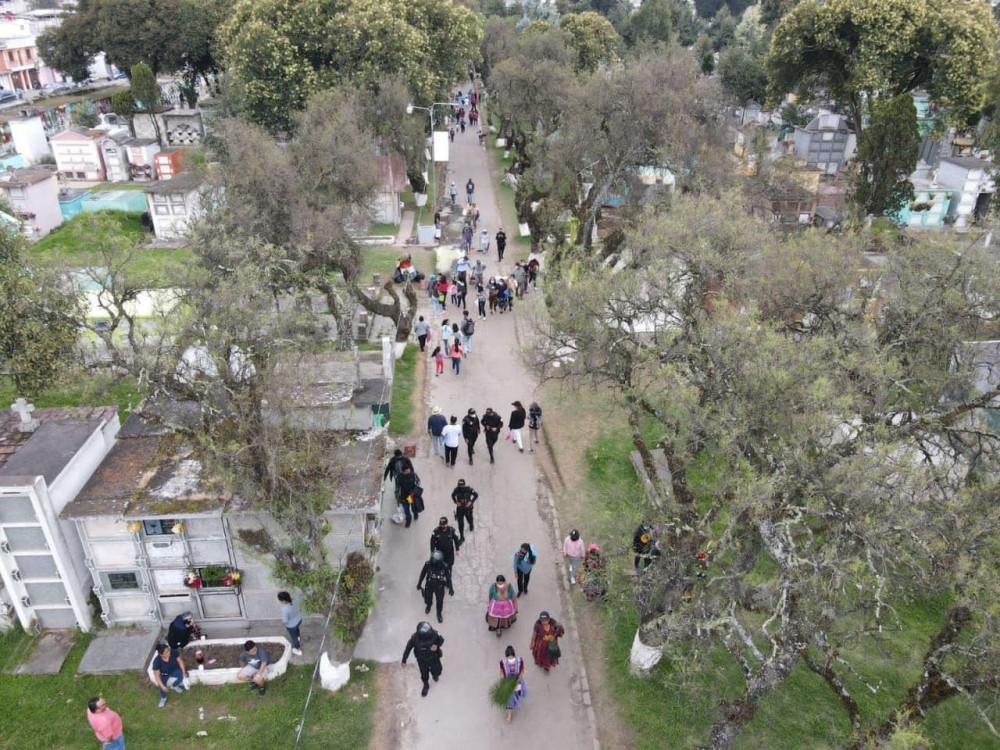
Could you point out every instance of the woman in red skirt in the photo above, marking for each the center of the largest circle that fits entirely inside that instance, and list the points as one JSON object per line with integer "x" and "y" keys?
{"x": 545, "y": 641}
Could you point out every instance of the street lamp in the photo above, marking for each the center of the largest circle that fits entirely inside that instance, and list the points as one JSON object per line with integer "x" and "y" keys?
{"x": 430, "y": 169}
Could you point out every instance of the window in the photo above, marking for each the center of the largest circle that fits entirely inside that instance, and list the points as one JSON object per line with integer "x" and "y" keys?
{"x": 121, "y": 581}
{"x": 178, "y": 210}
{"x": 81, "y": 175}
{"x": 157, "y": 198}
{"x": 162, "y": 210}
{"x": 158, "y": 527}
{"x": 16, "y": 192}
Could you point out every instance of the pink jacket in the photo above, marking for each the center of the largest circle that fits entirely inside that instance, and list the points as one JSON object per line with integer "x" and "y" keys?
{"x": 573, "y": 549}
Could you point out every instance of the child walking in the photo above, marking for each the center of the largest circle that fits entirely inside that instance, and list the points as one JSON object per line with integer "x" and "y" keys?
{"x": 438, "y": 360}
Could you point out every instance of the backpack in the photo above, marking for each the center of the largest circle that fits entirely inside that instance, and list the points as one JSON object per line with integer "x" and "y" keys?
{"x": 469, "y": 327}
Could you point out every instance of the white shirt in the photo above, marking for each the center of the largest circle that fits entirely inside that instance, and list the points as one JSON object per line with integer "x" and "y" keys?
{"x": 452, "y": 435}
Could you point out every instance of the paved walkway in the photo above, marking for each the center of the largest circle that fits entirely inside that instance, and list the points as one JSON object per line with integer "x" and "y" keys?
{"x": 512, "y": 508}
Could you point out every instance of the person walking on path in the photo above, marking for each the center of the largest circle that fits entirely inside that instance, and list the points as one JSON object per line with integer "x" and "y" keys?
{"x": 446, "y": 334}
{"x": 573, "y": 552}
{"x": 481, "y": 301}
{"x": 452, "y": 436}
{"x": 468, "y": 329}
{"x": 169, "y": 672}
{"x": 501, "y": 609}
{"x": 512, "y": 668}
{"x": 501, "y": 238}
{"x": 516, "y": 423}
{"x": 545, "y": 641}
{"x": 436, "y": 423}
{"x": 524, "y": 561}
{"x": 492, "y": 424}
{"x": 426, "y": 645}
{"x": 422, "y": 330}
{"x": 435, "y": 576}
{"x": 406, "y": 484}
{"x": 456, "y": 353}
{"x": 107, "y": 724}
{"x": 291, "y": 618}
{"x": 470, "y": 190}
{"x": 534, "y": 424}
{"x": 464, "y": 498}
{"x": 452, "y": 190}
{"x": 445, "y": 541}
{"x": 470, "y": 432}
{"x": 484, "y": 241}
{"x": 394, "y": 467}
{"x": 438, "y": 356}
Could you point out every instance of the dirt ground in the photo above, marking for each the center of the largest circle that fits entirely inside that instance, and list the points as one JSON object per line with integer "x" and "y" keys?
{"x": 389, "y": 692}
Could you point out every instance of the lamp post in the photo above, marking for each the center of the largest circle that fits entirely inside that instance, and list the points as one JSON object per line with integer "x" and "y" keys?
{"x": 430, "y": 169}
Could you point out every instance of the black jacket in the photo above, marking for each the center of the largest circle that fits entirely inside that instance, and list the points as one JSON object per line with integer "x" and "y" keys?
{"x": 492, "y": 424}
{"x": 420, "y": 645}
{"x": 405, "y": 483}
{"x": 446, "y": 540}
{"x": 437, "y": 574}
{"x": 464, "y": 495}
{"x": 395, "y": 466}
{"x": 470, "y": 428}
{"x": 179, "y": 633}
{"x": 501, "y": 238}
{"x": 516, "y": 419}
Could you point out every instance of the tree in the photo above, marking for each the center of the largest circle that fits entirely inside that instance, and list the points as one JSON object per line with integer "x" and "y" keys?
{"x": 84, "y": 115}
{"x": 743, "y": 73}
{"x": 862, "y": 51}
{"x": 167, "y": 35}
{"x": 887, "y": 154}
{"x": 123, "y": 105}
{"x": 593, "y": 37}
{"x": 147, "y": 94}
{"x": 851, "y": 470}
{"x": 39, "y": 318}
{"x": 277, "y": 60}
{"x": 653, "y": 22}
{"x": 68, "y": 48}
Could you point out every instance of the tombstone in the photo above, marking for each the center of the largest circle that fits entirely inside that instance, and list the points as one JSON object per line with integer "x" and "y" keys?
{"x": 377, "y": 279}
{"x": 24, "y": 409}
{"x": 362, "y": 326}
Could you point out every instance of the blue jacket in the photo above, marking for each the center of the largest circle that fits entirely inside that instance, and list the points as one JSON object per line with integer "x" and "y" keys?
{"x": 436, "y": 423}
{"x": 522, "y": 563}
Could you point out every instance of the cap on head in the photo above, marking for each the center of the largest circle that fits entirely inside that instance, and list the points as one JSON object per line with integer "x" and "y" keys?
{"x": 187, "y": 617}
{"x": 437, "y": 556}
{"x": 423, "y": 627}
{"x": 443, "y": 521}
{"x": 461, "y": 482}
{"x": 544, "y": 615}
{"x": 574, "y": 535}
{"x": 472, "y": 412}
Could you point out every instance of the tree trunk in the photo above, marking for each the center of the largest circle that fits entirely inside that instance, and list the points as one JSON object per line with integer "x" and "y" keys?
{"x": 833, "y": 681}
{"x": 736, "y": 714}
{"x": 931, "y": 689}
{"x": 660, "y": 492}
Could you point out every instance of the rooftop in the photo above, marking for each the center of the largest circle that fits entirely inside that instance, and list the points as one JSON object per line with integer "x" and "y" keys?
{"x": 967, "y": 162}
{"x": 185, "y": 182}
{"x": 47, "y": 450}
{"x": 25, "y": 177}
{"x": 149, "y": 476}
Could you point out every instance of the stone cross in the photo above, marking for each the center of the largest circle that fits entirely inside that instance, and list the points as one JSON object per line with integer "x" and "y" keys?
{"x": 24, "y": 409}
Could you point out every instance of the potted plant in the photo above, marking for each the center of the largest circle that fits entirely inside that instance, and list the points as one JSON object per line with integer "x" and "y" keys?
{"x": 213, "y": 575}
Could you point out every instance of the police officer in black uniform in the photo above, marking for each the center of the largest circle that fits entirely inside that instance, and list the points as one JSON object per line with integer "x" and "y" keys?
{"x": 445, "y": 540}
{"x": 464, "y": 497}
{"x": 438, "y": 576}
{"x": 470, "y": 432}
{"x": 426, "y": 645}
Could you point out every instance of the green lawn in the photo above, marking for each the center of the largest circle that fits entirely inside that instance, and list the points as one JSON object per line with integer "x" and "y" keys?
{"x": 67, "y": 248}
{"x": 404, "y": 384}
{"x": 676, "y": 705}
{"x": 81, "y": 389}
{"x": 49, "y": 712}
{"x": 379, "y": 259}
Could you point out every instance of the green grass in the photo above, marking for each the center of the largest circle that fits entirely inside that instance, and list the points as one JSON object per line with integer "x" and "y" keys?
{"x": 50, "y": 711}
{"x": 103, "y": 186}
{"x": 404, "y": 385}
{"x": 676, "y": 705}
{"x": 383, "y": 229}
{"x": 67, "y": 247}
{"x": 82, "y": 389}
{"x": 380, "y": 259}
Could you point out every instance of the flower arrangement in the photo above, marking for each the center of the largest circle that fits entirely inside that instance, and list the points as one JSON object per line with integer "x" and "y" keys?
{"x": 192, "y": 580}
{"x": 134, "y": 527}
{"x": 178, "y": 527}
{"x": 232, "y": 578}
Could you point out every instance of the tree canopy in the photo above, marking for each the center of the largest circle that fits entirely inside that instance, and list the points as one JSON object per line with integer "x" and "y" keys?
{"x": 593, "y": 37}
{"x": 39, "y": 318}
{"x": 279, "y": 52}
{"x": 887, "y": 154}
{"x": 861, "y": 50}
{"x": 835, "y": 418}
{"x": 167, "y": 35}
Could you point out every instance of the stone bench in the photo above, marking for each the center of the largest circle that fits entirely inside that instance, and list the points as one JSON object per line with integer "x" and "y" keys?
{"x": 227, "y": 675}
